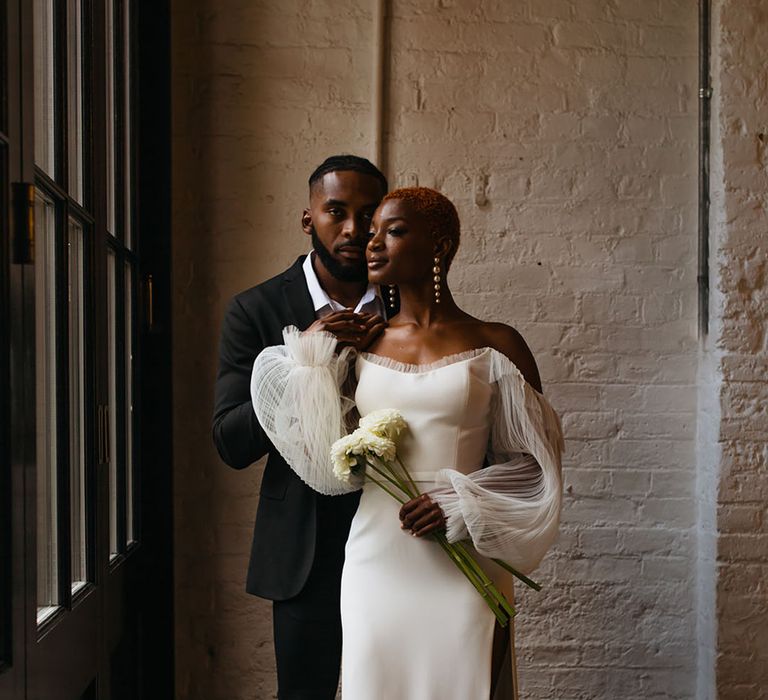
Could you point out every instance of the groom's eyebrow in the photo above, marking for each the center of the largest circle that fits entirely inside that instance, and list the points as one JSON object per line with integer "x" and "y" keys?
{"x": 334, "y": 203}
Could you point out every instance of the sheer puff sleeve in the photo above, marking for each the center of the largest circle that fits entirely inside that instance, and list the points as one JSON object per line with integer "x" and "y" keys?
{"x": 296, "y": 390}
{"x": 510, "y": 509}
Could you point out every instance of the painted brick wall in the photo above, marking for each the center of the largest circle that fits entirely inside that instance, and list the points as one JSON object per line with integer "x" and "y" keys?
{"x": 262, "y": 92}
{"x": 740, "y": 233}
{"x": 565, "y": 131}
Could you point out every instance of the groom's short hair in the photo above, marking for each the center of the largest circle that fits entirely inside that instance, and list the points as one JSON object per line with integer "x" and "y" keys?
{"x": 348, "y": 162}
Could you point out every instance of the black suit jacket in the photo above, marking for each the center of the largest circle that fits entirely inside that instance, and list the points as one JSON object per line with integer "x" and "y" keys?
{"x": 284, "y": 534}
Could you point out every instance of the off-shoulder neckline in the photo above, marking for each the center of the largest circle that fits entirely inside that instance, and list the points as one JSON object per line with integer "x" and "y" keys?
{"x": 500, "y": 364}
{"x": 412, "y": 368}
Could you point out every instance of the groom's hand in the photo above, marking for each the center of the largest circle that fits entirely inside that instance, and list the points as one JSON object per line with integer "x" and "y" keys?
{"x": 422, "y": 516}
{"x": 357, "y": 330}
{"x": 350, "y": 328}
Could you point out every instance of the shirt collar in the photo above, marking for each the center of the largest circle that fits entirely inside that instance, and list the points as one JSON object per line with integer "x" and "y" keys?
{"x": 320, "y": 299}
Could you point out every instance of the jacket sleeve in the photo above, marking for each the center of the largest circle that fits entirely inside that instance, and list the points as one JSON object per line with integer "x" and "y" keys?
{"x": 238, "y": 437}
{"x": 297, "y": 396}
{"x": 510, "y": 509}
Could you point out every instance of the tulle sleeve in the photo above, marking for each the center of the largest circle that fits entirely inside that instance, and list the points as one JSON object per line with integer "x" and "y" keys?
{"x": 510, "y": 509}
{"x": 296, "y": 390}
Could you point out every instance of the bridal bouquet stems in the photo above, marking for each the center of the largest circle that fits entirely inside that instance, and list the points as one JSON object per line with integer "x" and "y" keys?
{"x": 371, "y": 450}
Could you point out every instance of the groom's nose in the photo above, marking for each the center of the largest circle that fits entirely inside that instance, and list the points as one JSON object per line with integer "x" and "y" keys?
{"x": 354, "y": 227}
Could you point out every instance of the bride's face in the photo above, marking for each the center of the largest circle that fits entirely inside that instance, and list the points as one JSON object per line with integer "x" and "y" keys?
{"x": 400, "y": 248}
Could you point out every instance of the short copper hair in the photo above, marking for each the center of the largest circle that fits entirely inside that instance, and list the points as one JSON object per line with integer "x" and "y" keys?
{"x": 441, "y": 216}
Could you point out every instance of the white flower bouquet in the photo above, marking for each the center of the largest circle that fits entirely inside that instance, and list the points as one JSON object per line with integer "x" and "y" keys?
{"x": 372, "y": 449}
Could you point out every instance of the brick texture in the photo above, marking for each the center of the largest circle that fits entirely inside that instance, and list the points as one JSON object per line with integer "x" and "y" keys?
{"x": 262, "y": 92}
{"x": 740, "y": 179}
{"x": 565, "y": 131}
{"x": 583, "y": 128}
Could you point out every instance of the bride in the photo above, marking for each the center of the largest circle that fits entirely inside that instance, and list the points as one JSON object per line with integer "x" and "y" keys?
{"x": 481, "y": 440}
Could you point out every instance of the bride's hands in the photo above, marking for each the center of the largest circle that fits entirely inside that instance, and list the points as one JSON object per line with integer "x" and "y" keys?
{"x": 373, "y": 327}
{"x": 358, "y": 330}
{"x": 422, "y": 516}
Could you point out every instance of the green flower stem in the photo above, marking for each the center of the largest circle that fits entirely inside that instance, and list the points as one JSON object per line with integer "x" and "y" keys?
{"x": 497, "y": 611}
{"x": 389, "y": 478}
{"x": 528, "y": 582}
{"x": 405, "y": 486}
{"x": 501, "y": 615}
{"x": 487, "y": 583}
{"x": 465, "y": 568}
{"x": 468, "y": 565}
{"x": 408, "y": 476}
{"x": 382, "y": 486}
{"x": 465, "y": 562}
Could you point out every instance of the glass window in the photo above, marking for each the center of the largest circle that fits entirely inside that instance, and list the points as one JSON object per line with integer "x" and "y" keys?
{"x": 3, "y": 70}
{"x": 45, "y": 378}
{"x": 127, "y": 135}
{"x": 75, "y": 99}
{"x": 129, "y": 416}
{"x": 77, "y": 475}
{"x": 6, "y": 505}
{"x": 112, "y": 405}
{"x": 110, "y": 57}
{"x": 45, "y": 151}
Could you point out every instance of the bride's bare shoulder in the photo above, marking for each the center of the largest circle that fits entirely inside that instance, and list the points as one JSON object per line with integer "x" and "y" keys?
{"x": 508, "y": 341}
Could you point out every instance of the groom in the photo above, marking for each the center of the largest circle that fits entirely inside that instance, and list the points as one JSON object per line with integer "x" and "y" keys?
{"x": 299, "y": 536}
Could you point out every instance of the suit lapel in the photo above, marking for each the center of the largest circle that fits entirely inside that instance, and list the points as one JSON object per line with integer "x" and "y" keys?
{"x": 297, "y": 297}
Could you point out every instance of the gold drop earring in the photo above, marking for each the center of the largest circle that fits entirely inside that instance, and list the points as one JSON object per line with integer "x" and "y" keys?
{"x": 437, "y": 278}
{"x": 392, "y": 296}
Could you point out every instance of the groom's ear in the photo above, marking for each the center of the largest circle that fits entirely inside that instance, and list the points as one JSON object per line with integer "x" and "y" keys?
{"x": 306, "y": 222}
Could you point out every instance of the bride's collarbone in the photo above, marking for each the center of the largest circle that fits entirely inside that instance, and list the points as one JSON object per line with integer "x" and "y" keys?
{"x": 410, "y": 347}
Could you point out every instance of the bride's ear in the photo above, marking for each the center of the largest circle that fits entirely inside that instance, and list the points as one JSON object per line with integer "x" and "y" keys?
{"x": 443, "y": 247}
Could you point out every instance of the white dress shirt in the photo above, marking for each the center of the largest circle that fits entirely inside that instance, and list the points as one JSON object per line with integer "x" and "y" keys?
{"x": 371, "y": 301}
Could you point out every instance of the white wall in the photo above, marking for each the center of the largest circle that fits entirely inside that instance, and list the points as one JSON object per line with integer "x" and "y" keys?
{"x": 740, "y": 309}
{"x": 565, "y": 131}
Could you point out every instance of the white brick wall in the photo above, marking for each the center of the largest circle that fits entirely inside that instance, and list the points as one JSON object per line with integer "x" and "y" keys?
{"x": 565, "y": 131}
{"x": 590, "y": 142}
{"x": 262, "y": 92}
{"x": 740, "y": 177}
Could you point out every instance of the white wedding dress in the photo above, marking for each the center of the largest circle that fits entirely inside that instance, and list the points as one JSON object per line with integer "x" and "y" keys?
{"x": 413, "y": 627}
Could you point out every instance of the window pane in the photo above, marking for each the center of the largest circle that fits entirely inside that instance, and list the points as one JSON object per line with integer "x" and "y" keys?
{"x": 44, "y": 86}
{"x": 76, "y": 305}
{"x": 129, "y": 481}
{"x": 127, "y": 120}
{"x": 110, "y": 58}
{"x": 6, "y": 590}
{"x": 75, "y": 99}
{"x": 112, "y": 369}
{"x": 45, "y": 379}
{"x": 4, "y": 64}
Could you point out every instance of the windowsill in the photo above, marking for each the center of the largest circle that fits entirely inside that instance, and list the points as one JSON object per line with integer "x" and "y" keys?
{"x": 46, "y": 612}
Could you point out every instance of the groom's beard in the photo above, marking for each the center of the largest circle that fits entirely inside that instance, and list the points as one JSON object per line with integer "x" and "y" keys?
{"x": 350, "y": 272}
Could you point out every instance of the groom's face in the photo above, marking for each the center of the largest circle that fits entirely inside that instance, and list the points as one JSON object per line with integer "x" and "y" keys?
{"x": 341, "y": 207}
